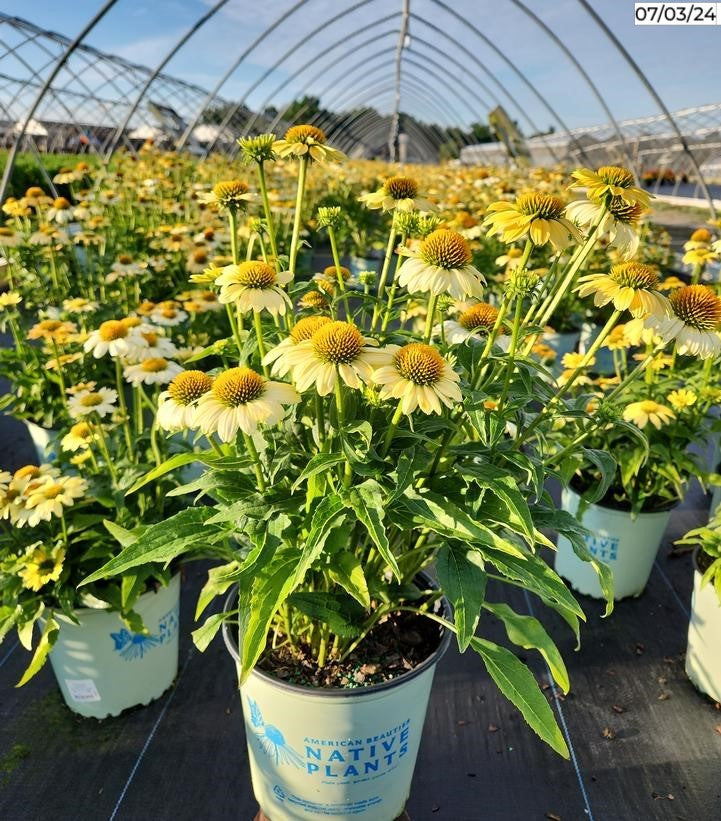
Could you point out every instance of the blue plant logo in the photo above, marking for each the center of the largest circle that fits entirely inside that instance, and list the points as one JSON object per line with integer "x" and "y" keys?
{"x": 133, "y": 646}
{"x": 271, "y": 740}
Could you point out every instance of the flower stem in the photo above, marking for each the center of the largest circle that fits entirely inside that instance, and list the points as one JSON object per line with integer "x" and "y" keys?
{"x": 432, "y": 301}
{"x": 511, "y": 361}
{"x": 255, "y": 458}
{"x": 268, "y": 216}
{"x": 392, "y": 428}
{"x": 259, "y": 336}
{"x": 339, "y": 275}
{"x": 384, "y": 275}
{"x": 394, "y": 286}
{"x": 124, "y": 409}
{"x": 294, "y": 241}
{"x": 233, "y": 227}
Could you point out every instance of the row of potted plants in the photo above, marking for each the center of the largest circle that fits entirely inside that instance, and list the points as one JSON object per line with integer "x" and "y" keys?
{"x": 359, "y": 453}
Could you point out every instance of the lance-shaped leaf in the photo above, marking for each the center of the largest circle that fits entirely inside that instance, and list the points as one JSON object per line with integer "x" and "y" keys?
{"x": 367, "y": 502}
{"x": 463, "y": 580}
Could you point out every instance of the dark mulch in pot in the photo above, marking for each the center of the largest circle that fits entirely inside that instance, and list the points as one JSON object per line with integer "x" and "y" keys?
{"x": 396, "y": 645}
{"x": 703, "y": 561}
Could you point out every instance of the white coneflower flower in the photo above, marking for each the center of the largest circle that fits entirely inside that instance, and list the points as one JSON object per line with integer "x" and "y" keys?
{"x": 302, "y": 140}
{"x": 177, "y": 406}
{"x": 620, "y": 222}
{"x": 153, "y": 371}
{"x": 302, "y": 330}
{"x": 695, "y": 321}
{"x": 102, "y": 401}
{"x": 254, "y": 286}
{"x": 167, "y": 316}
{"x": 641, "y": 413}
{"x": 123, "y": 268}
{"x": 156, "y": 344}
{"x": 441, "y": 265}
{"x": 113, "y": 337}
{"x": 336, "y": 351}
{"x": 79, "y": 437}
{"x": 233, "y": 195}
{"x": 242, "y": 399}
{"x": 478, "y": 320}
{"x": 419, "y": 377}
{"x": 80, "y": 305}
{"x": 397, "y": 193}
{"x": 60, "y": 211}
{"x": 630, "y": 286}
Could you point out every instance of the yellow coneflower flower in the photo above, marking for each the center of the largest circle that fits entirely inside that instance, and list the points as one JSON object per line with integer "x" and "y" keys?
{"x": 397, "y": 193}
{"x": 336, "y": 351}
{"x": 79, "y": 437}
{"x": 620, "y": 222}
{"x": 629, "y": 286}
{"x": 681, "y": 399}
{"x": 80, "y": 305}
{"x": 10, "y": 299}
{"x": 511, "y": 259}
{"x": 155, "y": 370}
{"x": 242, "y": 399}
{"x": 102, "y": 401}
{"x": 419, "y": 377}
{"x": 50, "y": 497}
{"x": 177, "y": 406}
{"x": 701, "y": 255}
{"x": 9, "y": 238}
{"x": 441, "y": 265}
{"x": 573, "y": 360}
{"x": 670, "y": 284}
{"x": 543, "y": 352}
{"x": 475, "y": 321}
{"x": 537, "y": 216}
{"x": 42, "y": 565}
{"x": 254, "y": 286}
{"x": 302, "y": 330}
{"x": 641, "y": 413}
{"x": 306, "y": 140}
{"x": 314, "y": 300}
{"x": 701, "y": 238}
{"x": 233, "y": 195}
{"x": 694, "y": 323}
{"x": 617, "y": 339}
{"x": 609, "y": 181}
{"x": 52, "y": 330}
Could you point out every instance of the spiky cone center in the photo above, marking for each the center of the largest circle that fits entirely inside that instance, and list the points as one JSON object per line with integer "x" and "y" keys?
{"x": 125, "y": 259}
{"x": 401, "y": 188}
{"x": 305, "y": 328}
{"x": 635, "y": 275}
{"x": 131, "y": 321}
{"x": 616, "y": 175}
{"x": 200, "y": 256}
{"x": 112, "y": 329}
{"x": 697, "y": 306}
{"x": 540, "y": 206}
{"x": 314, "y": 299}
{"x": 49, "y": 325}
{"x": 481, "y": 315}
{"x": 256, "y": 274}
{"x": 627, "y": 212}
{"x": 61, "y": 204}
{"x": 701, "y": 235}
{"x": 419, "y": 363}
{"x": 238, "y": 386}
{"x": 258, "y": 148}
{"x": 189, "y": 386}
{"x": 445, "y": 249}
{"x": 91, "y": 400}
{"x": 34, "y": 192}
{"x": 154, "y": 364}
{"x": 305, "y": 134}
{"x": 332, "y": 272}
{"x": 229, "y": 193}
{"x": 337, "y": 342}
{"x": 150, "y": 337}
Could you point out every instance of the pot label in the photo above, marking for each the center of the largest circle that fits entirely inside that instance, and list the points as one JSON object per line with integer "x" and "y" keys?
{"x": 604, "y": 548}
{"x": 131, "y": 646}
{"x": 82, "y": 689}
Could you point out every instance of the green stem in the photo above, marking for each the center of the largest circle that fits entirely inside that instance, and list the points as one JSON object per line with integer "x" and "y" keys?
{"x": 432, "y": 302}
{"x": 510, "y": 364}
{"x": 233, "y": 228}
{"x": 259, "y": 336}
{"x": 295, "y": 238}
{"x": 390, "y": 433}
{"x": 339, "y": 275}
{"x": 255, "y": 458}
{"x": 394, "y": 286}
{"x": 124, "y": 410}
{"x": 384, "y": 275}
{"x": 348, "y": 470}
{"x": 268, "y": 216}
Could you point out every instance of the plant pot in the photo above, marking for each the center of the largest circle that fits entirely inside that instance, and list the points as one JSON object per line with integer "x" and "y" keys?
{"x": 345, "y": 754}
{"x": 44, "y": 439}
{"x": 103, "y": 669}
{"x": 603, "y": 357}
{"x": 628, "y": 546}
{"x": 562, "y": 344}
{"x": 703, "y": 659}
{"x": 358, "y": 264}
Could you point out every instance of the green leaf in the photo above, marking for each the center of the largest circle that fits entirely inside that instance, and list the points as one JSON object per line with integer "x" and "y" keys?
{"x": 367, "y": 502}
{"x": 537, "y": 577}
{"x": 606, "y": 465}
{"x": 172, "y": 463}
{"x": 318, "y": 464}
{"x": 219, "y": 580}
{"x": 120, "y": 534}
{"x": 162, "y": 542}
{"x": 505, "y": 487}
{"x": 529, "y": 633}
{"x": 259, "y": 602}
{"x": 25, "y": 629}
{"x": 45, "y": 645}
{"x": 206, "y": 632}
{"x": 347, "y": 571}
{"x": 320, "y": 528}
{"x": 404, "y": 474}
{"x": 442, "y": 516}
{"x": 463, "y": 580}
{"x": 342, "y": 614}
{"x": 519, "y": 686}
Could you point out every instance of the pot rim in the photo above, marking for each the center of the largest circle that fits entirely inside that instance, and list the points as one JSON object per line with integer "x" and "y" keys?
{"x": 618, "y": 511}
{"x": 354, "y": 692}
{"x": 107, "y": 610}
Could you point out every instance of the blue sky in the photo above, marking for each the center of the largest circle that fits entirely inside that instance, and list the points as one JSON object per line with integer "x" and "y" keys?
{"x": 682, "y": 62}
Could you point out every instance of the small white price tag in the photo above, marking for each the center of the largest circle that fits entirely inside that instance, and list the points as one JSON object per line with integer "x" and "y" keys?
{"x": 82, "y": 689}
